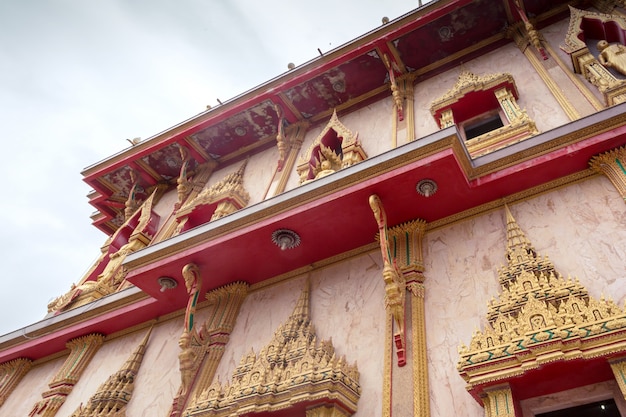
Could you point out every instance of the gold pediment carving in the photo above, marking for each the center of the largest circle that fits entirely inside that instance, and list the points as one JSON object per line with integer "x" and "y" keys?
{"x": 480, "y": 97}
{"x": 469, "y": 82}
{"x": 335, "y": 148}
{"x": 538, "y": 317}
{"x": 221, "y": 199}
{"x": 292, "y": 370}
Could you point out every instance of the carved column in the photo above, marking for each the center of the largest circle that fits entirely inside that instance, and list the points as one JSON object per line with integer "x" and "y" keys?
{"x": 525, "y": 35}
{"x": 613, "y": 165}
{"x": 499, "y": 402}
{"x": 401, "y": 248}
{"x": 619, "y": 370}
{"x": 208, "y": 346}
{"x": 406, "y": 87}
{"x": 294, "y": 138}
{"x": 11, "y": 373}
{"x": 407, "y": 248}
{"x": 226, "y": 303}
{"x": 82, "y": 350}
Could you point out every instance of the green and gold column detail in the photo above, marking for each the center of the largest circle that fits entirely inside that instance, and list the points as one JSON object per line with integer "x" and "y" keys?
{"x": 82, "y": 350}
{"x": 613, "y": 165}
{"x": 225, "y": 302}
{"x": 406, "y": 242}
{"x": 499, "y": 402}
{"x": 619, "y": 370}
{"x": 114, "y": 394}
{"x": 11, "y": 373}
{"x": 202, "y": 346}
{"x": 403, "y": 269}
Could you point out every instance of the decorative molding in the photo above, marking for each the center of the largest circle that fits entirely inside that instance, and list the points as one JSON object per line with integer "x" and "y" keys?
{"x": 336, "y": 147}
{"x": 613, "y": 165}
{"x": 292, "y": 370}
{"x": 421, "y": 394}
{"x": 11, "y": 373}
{"x": 406, "y": 248}
{"x": 82, "y": 350}
{"x": 539, "y": 317}
{"x": 113, "y": 395}
{"x": 581, "y": 86}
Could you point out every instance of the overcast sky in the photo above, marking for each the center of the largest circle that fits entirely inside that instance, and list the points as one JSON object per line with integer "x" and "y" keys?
{"x": 79, "y": 77}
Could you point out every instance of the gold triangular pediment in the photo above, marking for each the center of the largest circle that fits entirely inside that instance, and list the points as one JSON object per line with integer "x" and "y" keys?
{"x": 468, "y": 82}
{"x": 229, "y": 188}
{"x": 537, "y": 317}
{"x": 292, "y": 368}
{"x": 336, "y": 147}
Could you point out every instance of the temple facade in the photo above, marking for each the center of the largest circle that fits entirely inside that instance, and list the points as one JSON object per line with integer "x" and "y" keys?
{"x": 427, "y": 221}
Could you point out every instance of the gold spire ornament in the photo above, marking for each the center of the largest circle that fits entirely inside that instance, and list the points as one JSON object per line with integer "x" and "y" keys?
{"x": 293, "y": 369}
{"x": 539, "y": 317}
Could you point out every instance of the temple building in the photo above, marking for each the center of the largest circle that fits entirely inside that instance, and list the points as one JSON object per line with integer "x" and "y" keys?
{"x": 427, "y": 221}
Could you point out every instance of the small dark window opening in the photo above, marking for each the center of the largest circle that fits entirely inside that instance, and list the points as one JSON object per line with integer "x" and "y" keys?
{"x": 483, "y": 126}
{"x": 606, "y": 408}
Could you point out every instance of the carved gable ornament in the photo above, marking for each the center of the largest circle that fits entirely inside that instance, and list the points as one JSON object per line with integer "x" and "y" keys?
{"x": 539, "y": 318}
{"x": 476, "y": 100}
{"x": 611, "y": 54}
{"x": 335, "y": 148}
{"x": 212, "y": 203}
{"x": 293, "y": 372}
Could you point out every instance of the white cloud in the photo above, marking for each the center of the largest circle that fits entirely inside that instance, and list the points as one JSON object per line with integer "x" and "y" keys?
{"x": 78, "y": 78}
